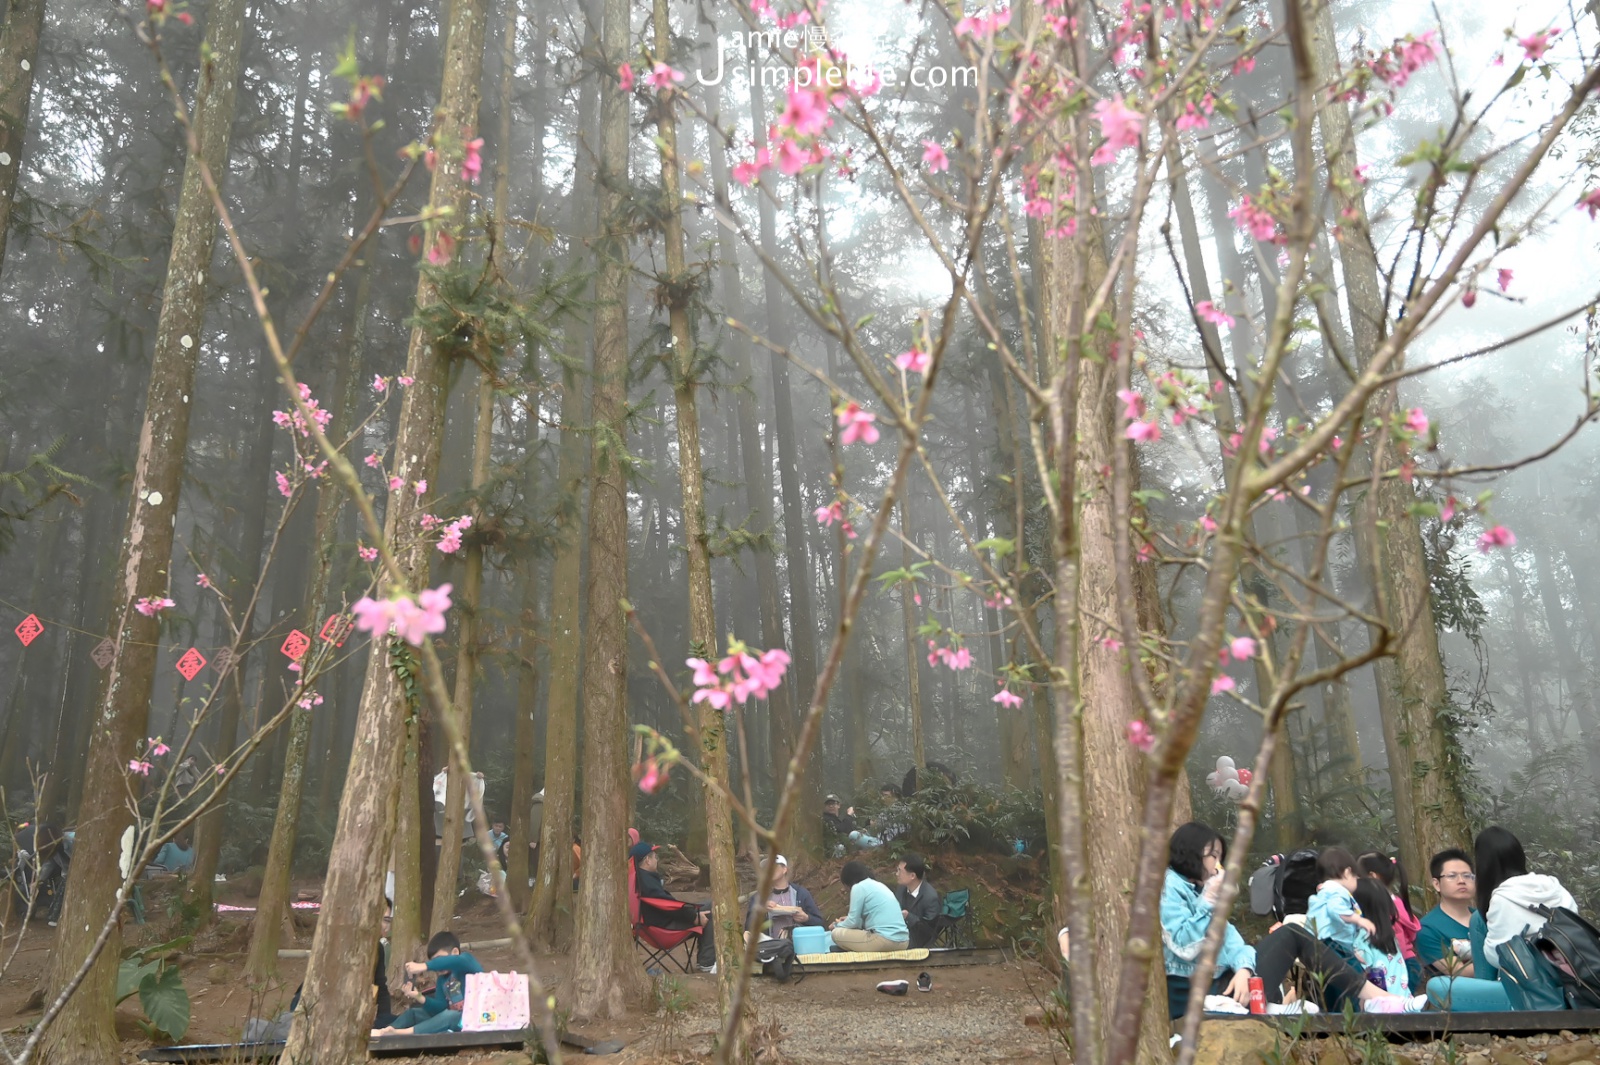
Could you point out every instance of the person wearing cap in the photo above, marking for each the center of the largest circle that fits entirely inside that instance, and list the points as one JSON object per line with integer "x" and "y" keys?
{"x": 788, "y": 905}
{"x": 841, "y": 823}
{"x": 693, "y": 915}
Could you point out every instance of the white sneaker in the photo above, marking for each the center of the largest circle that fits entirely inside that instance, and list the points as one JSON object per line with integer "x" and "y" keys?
{"x": 710, "y": 970}
{"x": 1292, "y": 1007}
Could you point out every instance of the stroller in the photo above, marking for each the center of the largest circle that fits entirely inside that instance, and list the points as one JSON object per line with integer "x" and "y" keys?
{"x": 38, "y": 872}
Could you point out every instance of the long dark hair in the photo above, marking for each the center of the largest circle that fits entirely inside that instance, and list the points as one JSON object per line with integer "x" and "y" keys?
{"x": 1377, "y": 907}
{"x": 1498, "y": 857}
{"x": 1186, "y": 852}
{"x": 1389, "y": 870}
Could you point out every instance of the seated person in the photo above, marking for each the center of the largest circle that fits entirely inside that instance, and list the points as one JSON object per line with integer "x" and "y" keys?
{"x": 1195, "y": 857}
{"x": 886, "y": 826}
{"x": 692, "y": 915}
{"x": 383, "y": 1016}
{"x": 918, "y": 901}
{"x": 1508, "y": 899}
{"x": 787, "y": 905}
{"x": 175, "y": 856}
{"x": 838, "y": 823}
{"x": 874, "y": 923}
{"x": 439, "y": 1011}
{"x": 1444, "y": 945}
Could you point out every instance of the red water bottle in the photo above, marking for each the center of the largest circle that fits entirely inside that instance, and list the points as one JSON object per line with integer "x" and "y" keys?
{"x": 1258, "y": 995}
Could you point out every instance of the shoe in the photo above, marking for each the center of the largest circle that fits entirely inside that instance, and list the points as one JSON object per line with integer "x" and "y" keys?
{"x": 1292, "y": 1008}
{"x": 924, "y": 982}
{"x": 894, "y": 987}
{"x": 709, "y": 970}
{"x": 1395, "y": 1004}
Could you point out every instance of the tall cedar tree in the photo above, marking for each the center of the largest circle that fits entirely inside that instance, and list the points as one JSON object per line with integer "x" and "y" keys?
{"x": 19, "y": 61}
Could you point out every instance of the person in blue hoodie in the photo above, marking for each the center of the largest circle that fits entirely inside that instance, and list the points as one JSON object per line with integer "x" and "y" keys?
{"x": 440, "y": 1010}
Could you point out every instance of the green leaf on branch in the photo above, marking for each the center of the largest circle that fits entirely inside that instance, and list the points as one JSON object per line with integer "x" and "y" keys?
{"x": 349, "y": 67}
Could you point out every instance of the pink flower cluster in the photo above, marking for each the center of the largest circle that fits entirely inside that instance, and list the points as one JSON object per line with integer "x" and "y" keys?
{"x": 933, "y": 157}
{"x": 308, "y": 700}
{"x": 1214, "y": 314}
{"x": 652, "y": 775}
{"x": 293, "y": 419}
{"x": 1395, "y": 65}
{"x": 1257, "y": 221}
{"x": 957, "y": 658}
{"x": 739, "y": 676}
{"x": 914, "y": 361}
{"x": 1122, "y": 127}
{"x": 857, "y": 424}
{"x": 1497, "y": 536}
{"x": 472, "y": 160}
{"x": 137, "y": 765}
{"x": 151, "y": 605}
{"x": 662, "y": 76}
{"x": 156, "y": 749}
{"x": 412, "y": 620}
{"x": 450, "y": 542}
{"x": 1007, "y": 698}
{"x": 983, "y": 26}
{"x": 1141, "y": 737}
{"x": 834, "y": 512}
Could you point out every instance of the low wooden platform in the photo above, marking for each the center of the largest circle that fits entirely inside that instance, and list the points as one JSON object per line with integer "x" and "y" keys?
{"x": 912, "y": 960}
{"x": 1431, "y": 1024}
{"x": 388, "y": 1046}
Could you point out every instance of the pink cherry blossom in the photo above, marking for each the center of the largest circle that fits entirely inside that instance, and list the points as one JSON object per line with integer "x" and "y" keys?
{"x": 1140, "y": 736}
{"x": 747, "y": 173}
{"x": 420, "y": 487}
{"x": 1211, "y": 313}
{"x": 1242, "y": 647}
{"x": 1121, "y": 125}
{"x": 140, "y": 767}
{"x": 831, "y": 513}
{"x": 157, "y": 748}
{"x": 152, "y": 605}
{"x": 1007, "y": 698}
{"x": 396, "y": 483}
{"x": 1448, "y": 511}
{"x": 1222, "y": 683}
{"x": 1504, "y": 279}
{"x": 914, "y": 361}
{"x": 405, "y": 380}
{"x": 625, "y": 77}
{"x": 368, "y": 554}
{"x": 203, "y": 581}
{"x": 308, "y": 700}
{"x": 933, "y": 157}
{"x": 791, "y": 157}
{"x": 983, "y": 26}
{"x": 1469, "y": 297}
{"x": 652, "y": 776}
{"x": 472, "y": 161}
{"x": 806, "y": 112}
{"x": 857, "y": 425}
{"x": 443, "y": 250}
{"x": 284, "y": 487}
{"x": 1590, "y": 203}
{"x": 1498, "y": 536}
{"x": 1404, "y": 58}
{"x": 1145, "y": 432}
{"x": 1535, "y": 45}
{"x": 412, "y": 621}
{"x": 379, "y": 385}
{"x": 373, "y": 460}
{"x": 1208, "y": 523}
{"x": 1257, "y": 220}
{"x": 662, "y": 76}
{"x": 1132, "y": 403}
{"x": 1417, "y": 421}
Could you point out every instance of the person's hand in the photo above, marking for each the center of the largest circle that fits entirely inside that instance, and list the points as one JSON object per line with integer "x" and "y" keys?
{"x": 851, "y": 810}
{"x": 415, "y": 968}
{"x": 1366, "y": 926}
{"x": 1239, "y": 987}
{"x": 1462, "y": 948}
{"x": 905, "y": 913}
{"x": 1212, "y": 888}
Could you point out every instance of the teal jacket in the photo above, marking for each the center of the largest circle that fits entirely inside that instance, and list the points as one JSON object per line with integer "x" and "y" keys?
{"x": 874, "y": 908}
{"x": 1185, "y": 915}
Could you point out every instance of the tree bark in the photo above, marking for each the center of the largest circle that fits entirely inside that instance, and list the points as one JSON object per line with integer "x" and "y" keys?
{"x": 908, "y": 621}
{"x": 1579, "y": 691}
{"x": 83, "y": 1031}
{"x": 19, "y": 56}
{"x": 334, "y": 1020}
{"x": 607, "y": 979}
{"x": 1425, "y": 766}
{"x": 524, "y": 737}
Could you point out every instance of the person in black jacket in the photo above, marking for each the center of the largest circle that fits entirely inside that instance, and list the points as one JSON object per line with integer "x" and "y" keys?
{"x": 919, "y": 902}
{"x": 693, "y": 914}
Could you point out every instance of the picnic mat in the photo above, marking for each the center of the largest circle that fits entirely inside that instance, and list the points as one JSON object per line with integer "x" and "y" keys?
{"x": 856, "y": 957}
{"x": 223, "y": 907}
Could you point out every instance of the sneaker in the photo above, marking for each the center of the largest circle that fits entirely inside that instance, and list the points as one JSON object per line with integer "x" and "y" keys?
{"x": 894, "y": 987}
{"x": 924, "y": 982}
{"x": 1395, "y": 1004}
{"x": 709, "y": 970}
{"x": 1292, "y": 1008}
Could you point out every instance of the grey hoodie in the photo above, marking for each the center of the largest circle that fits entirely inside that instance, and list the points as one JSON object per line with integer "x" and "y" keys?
{"x": 1511, "y": 907}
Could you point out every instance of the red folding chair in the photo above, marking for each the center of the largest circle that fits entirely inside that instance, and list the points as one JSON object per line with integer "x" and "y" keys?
{"x": 660, "y": 944}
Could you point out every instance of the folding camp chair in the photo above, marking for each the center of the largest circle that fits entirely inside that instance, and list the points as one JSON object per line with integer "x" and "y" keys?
{"x": 660, "y": 945}
{"x": 955, "y": 922}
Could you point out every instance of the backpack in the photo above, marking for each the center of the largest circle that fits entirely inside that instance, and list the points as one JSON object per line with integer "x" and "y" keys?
{"x": 1284, "y": 885}
{"x": 1574, "y": 946}
{"x": 777, "y": 960}
{"x": 1530, "y": 980}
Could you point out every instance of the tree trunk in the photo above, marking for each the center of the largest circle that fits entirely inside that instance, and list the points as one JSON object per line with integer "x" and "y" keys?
{"x": 1425, "y": 765}
{"x": 83, "y": 1031}
{"x": 805, "y": 832}
{"x": 261, "y": 963}
{"x": 1580, "y": 693}
{"x": 908, "y": 619}
{"x": 19, "y": 56}
{"x": 471, "y": 602}
{"x": 336, "y": 1013}
{"x": 607, "y": 978}
{"x": 685, "y": 371}
{"x": 524, "y": 739}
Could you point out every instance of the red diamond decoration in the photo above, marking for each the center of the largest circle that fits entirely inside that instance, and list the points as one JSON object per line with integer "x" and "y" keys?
{"x": 191, "y": 663}
{"x": 222, "y": 660}
{"x": 336, "y": 629}
{"x": 104, "y": 652}
{"x": 29, "y": 630}
{"x": 295, "y": 645}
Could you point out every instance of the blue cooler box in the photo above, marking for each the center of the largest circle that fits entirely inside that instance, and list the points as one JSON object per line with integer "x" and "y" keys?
{"x": 811, "y": 940}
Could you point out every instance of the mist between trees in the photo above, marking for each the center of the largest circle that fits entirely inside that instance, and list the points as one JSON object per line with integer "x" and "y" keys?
{"x": 1170, "y": 384}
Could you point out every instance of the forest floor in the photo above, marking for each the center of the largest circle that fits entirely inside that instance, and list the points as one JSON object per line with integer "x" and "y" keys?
{"x": 977, "y": 1013}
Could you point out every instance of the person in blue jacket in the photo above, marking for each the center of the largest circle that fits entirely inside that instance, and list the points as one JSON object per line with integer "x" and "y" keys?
{"x": 440, "y": 1010}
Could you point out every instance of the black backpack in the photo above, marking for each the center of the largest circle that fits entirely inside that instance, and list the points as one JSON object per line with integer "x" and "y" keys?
{"x": 1285, "y": 884}
{"x": 777, "y": 960}
{"x": 1573, "y": 946}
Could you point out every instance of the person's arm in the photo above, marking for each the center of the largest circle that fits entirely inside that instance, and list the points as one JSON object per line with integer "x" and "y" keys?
{"x": 812, "y": 915}
{"x": 1185, "y": 915}
{"x": 925, "y": 906}
{"x": 1360, "y": 922}
{"x": 856, "y": 918}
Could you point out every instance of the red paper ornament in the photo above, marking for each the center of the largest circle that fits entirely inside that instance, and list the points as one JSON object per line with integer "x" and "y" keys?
{"x": 336, "y": 629}
{"x": 103, "y": 652}
{"x": 191, "y": 663}
{"x": 295, "y": 645}
{"x": 30, "y": 629}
